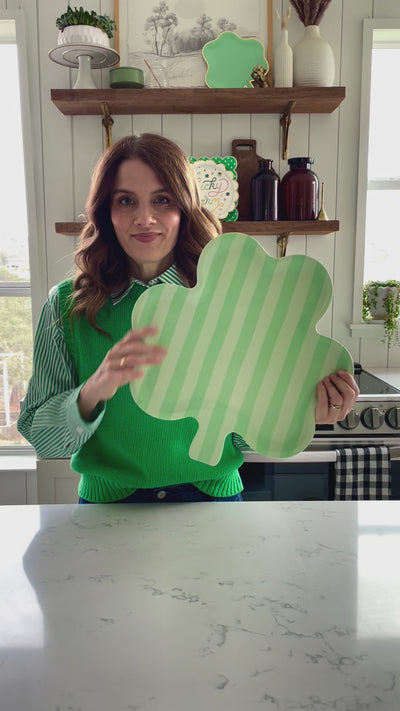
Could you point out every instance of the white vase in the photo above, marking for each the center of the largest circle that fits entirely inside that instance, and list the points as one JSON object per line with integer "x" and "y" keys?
{"x": 313, "y": 62}
{"x": 83, "y": 34}
{"x": 283, "y": 62}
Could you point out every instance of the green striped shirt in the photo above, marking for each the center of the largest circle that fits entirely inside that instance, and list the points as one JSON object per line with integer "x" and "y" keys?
{"x": 50, "y": 419}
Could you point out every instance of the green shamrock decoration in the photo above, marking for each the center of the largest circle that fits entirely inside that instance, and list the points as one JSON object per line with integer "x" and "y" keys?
{"x": 244, "y": 354}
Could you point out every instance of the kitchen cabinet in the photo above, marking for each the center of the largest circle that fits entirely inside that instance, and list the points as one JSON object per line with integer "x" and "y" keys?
{"x": 18, "y": 479}
{"x": 56, "y": 482}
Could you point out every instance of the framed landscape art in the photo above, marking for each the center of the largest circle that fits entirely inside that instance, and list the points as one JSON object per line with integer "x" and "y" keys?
{"x": 165, "y": 38}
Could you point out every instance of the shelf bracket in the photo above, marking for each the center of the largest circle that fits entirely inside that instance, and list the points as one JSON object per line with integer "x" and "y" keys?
{"x": 285, "y": 122}
{"x": 107, "y": 122}
{"x": 283, "y": 241}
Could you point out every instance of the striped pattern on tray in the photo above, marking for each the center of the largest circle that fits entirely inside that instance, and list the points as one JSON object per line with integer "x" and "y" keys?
{"x": 244, "y": 355}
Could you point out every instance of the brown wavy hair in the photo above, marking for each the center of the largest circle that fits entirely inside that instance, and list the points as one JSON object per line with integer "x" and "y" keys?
{"x": 102, "y": 267}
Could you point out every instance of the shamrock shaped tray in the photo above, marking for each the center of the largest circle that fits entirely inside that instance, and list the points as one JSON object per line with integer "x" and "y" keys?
{"x": 244, "y": 354}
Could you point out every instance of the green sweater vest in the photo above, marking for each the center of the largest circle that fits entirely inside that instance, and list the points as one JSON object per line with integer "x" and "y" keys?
{"x": 130, "y": 449}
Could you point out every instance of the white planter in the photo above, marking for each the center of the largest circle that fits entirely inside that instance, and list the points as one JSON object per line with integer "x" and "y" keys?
{"x": 83, "y": 34}
{"x": 313, "y": 61}
{"x": 283, "y": 62}
{"x": 378, "y": 312}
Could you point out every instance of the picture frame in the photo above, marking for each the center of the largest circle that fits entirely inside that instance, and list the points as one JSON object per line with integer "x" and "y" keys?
{"x": 169, "y": 53}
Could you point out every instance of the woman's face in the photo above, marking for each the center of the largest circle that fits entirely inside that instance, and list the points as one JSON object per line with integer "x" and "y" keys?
{"x": 146, "y": 219}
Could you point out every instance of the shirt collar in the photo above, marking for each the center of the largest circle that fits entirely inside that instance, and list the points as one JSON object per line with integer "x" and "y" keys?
{"x": 170, "y": 276}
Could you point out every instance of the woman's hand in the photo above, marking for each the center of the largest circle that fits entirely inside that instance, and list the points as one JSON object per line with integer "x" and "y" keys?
{"x": 336, "y": 394}
{"x": 123, "y": 363}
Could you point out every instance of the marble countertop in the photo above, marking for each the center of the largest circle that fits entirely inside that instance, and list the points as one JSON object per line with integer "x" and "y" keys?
{"x": 200, "y": 607}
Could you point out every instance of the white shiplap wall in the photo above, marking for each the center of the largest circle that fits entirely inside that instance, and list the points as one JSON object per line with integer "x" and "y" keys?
{"x": 65, "y": 150}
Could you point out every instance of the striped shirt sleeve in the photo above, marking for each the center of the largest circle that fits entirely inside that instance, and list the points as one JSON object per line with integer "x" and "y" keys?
{"x": 50, "y": 418}
{"x": 240, "y": 443}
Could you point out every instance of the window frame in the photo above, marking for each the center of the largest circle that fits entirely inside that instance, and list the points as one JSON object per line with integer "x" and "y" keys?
{"x": 19, "y": 289}
{"x": 358, "y": 328}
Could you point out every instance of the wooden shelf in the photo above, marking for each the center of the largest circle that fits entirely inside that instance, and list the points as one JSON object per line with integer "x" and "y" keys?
{"x": 207, "y": 101}
{"x": 198, "y": 101}
{"x": 289, "y": 227}
{"x": 306, "y": 227}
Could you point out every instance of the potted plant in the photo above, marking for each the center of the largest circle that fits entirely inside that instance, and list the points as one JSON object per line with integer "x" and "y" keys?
{"x": 381, "y": 302}
{"x": 79, "y": 26}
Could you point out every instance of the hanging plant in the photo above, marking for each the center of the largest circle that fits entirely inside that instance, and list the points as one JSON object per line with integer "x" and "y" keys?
{"x": 310, "y": 12}
{"x": 381, "y": 301}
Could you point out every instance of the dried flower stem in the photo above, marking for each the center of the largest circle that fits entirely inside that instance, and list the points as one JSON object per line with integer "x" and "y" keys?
{"x": 310, "y": 12}
{"x": 284, "y": 18}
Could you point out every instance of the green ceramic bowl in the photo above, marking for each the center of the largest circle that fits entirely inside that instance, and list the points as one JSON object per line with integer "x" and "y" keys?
{"x": 126, "y": 78}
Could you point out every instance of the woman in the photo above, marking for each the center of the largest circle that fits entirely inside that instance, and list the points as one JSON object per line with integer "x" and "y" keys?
{"x": 145, "y": 226}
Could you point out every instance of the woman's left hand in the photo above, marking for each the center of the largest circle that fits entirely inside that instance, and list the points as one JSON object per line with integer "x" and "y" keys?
{"x": 336, "y": 394}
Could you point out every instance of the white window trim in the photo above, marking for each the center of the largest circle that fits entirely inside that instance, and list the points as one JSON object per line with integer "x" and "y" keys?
{"x": 358, "y": 328}
{"x": 31, "y": 135}
{"x": 383, "y": 184}
{"x": 24, "y": 288}
{"x": 15, "y": 288}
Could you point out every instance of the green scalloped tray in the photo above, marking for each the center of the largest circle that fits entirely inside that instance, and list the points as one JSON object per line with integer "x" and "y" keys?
{"x": 231, "y": 59}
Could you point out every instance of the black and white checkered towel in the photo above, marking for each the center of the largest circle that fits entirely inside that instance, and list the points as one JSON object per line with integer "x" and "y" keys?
{"x": 362, "y": 473}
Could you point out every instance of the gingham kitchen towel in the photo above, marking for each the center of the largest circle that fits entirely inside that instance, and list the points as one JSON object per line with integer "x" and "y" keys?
{"x": 362, "y": 473}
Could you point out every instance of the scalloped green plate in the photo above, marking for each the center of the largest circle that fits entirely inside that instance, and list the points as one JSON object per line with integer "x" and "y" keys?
{"x": 216, "y": 179}
{"x": 231, "y": 59}
{"x": 244, "y": 354}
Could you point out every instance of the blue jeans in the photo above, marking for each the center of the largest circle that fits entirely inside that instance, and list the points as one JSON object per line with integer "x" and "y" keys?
{"x": 169, "y": 494}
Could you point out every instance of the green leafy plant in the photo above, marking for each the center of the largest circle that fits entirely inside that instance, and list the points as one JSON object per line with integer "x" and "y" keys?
{"x": 79, "y": 16}
{"x": 391, "y": 303}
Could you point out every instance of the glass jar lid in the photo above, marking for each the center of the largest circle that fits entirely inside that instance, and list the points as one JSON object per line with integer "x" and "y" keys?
{"x": 300, "y": 162}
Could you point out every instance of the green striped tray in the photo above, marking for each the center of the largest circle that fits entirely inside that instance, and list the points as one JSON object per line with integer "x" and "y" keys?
{"x": 244, "y": 354}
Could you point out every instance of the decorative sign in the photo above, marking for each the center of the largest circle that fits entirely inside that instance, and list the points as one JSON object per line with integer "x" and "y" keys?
{"x": 217, "y": 182}
{"x": 243, "y": 354}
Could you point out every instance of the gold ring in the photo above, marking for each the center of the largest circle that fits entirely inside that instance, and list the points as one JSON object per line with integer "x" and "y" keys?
{"x": 334, "y": 407}
{"x": 122, "y": 362}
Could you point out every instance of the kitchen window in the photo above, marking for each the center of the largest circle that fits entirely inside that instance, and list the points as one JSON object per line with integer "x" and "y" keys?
{"x": 15, "y": 275}
{"x": 383, "y": 187}
{"x": 379, "y": 159}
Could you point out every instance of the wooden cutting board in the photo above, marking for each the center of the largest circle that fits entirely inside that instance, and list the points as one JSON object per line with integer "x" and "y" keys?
{"x": 245, "y": 152}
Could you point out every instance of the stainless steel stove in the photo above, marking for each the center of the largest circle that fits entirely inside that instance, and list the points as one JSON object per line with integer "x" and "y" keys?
{"x": 374, "y": 419}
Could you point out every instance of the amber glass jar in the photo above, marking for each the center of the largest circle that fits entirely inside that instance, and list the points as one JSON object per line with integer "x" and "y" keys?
{"x": 298, "y": 194}
{"x": 264, "y": 188}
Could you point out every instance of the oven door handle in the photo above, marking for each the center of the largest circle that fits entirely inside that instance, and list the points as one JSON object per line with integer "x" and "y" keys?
{"x": 302, "y": 457}
{"x": 394, "y": 453}
{"x": 309, "y": 456}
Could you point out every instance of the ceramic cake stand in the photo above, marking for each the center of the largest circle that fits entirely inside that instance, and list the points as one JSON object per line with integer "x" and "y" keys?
{"x": 85, "y": 57}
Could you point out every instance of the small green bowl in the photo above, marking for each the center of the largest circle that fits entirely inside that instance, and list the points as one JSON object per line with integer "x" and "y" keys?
{"x": 126, "y": 78}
